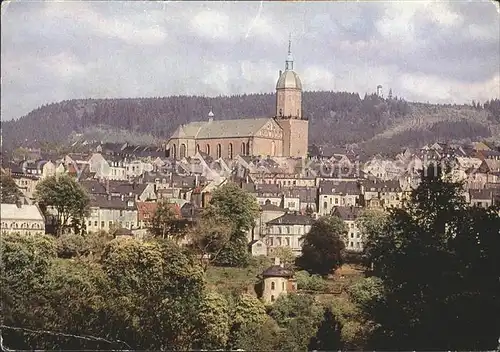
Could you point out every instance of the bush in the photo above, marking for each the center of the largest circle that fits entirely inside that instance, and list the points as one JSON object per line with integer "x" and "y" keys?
{"x": 308, "y": 282}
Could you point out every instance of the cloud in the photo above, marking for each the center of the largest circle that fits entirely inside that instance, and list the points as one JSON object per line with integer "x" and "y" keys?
{"x": 423, "y": 50}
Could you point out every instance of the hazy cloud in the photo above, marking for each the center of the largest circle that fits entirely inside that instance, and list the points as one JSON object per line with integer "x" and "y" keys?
{"x": 423, "y": 50}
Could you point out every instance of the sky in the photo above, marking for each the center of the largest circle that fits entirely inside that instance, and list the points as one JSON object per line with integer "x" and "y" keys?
{"x": 440, "y": 52}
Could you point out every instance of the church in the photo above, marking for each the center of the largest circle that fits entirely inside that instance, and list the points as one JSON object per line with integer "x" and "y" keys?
{"x": 285, "y": 134}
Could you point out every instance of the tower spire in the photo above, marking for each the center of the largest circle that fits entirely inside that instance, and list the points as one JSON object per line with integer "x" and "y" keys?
{"x": 289, "y": 59}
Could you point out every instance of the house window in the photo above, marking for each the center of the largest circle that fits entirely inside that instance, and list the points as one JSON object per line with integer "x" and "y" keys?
{"x": 95, "y": 223}
{"x": 230, "y": 150}
{"x": 271, "y": 241}
{"x": 273, "y": 285}
{"x": 110, "y": 223}
{"x": 291, "y": 205}
{"x": 288, "y": 229}
{"x": 90, "y": 223}
{"x": 336, "y": 201}
{"x": 287, "y": 242}
{"x": 351, "y": 244}
{"x": 102, "y": 224}
{"x": 272, "y": 298}
{"x": 283, "y": 286}
{"x": 279, "y": 230}
{"x": 352, "y": 235}
{"x": 278, "y": 241}
{"x": 325, "y": 205}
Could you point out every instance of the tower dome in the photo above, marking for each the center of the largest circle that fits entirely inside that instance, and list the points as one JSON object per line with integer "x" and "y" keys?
{"x": 288, "y": 78}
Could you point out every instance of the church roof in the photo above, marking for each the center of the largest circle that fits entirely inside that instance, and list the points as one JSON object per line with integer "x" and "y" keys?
{"x": 221, "y": 128}
{"x": 289, "y": 79}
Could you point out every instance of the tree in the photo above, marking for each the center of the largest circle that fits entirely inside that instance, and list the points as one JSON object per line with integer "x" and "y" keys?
{"x": 157, "y": 291}
{"x": 371, "y": 223}
{"x": 209, "y": 237}
{"x": 240, "y": 209}
{"x": 439, "y": 271}
{"x": 323, "y": 245}
{"x": 214, "y": 322}
{"x": 10, "y": 193}
{"x": 68, "y": 198}
{"x": 162, "y": 223}
{"x": 285, "y": 255}
{"x": 328, "y": 337}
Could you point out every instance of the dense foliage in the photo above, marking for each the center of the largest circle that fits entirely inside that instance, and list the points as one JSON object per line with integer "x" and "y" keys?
{"x": 323, "y": 246}
{"x": 9, "y": 192}
{"x": 336, "y": 118}
{"x": 440, "y": 271}
{"x": 64, "y": 199}
{"x": 236, "y": 207}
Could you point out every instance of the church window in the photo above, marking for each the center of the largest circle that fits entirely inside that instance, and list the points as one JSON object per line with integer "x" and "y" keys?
{"x": 243, "y": 149}
{"x": 230, "y": 151}
{"x": 219, "y": 151}
{"x": 182, "y": 151}
{"x": 207, "y": 149}
{"x": 248, "y": 148}
{"x": 174, "y": 151}
{"x": 198, "y": 148}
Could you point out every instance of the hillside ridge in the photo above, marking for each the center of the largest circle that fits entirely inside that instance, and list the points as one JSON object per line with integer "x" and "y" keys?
{"x": 336, "y": 119}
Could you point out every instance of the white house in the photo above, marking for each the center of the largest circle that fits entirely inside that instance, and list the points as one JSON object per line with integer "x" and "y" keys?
{"x": 287, "y": 231}
{"x": 21, "y": 218}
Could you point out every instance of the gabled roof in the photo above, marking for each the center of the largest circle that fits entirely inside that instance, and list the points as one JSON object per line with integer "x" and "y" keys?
{"x": 22, "y": 212}
{"x": 292, "y": 219}
{"x": 347, "y": 213}
{"x": 338, "y": 187}
{"x": 221, "y": 128}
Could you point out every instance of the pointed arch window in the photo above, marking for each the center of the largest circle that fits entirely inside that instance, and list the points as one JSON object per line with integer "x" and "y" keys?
{"x": 230, "y": 150}
{"x": 248, "y": 148}
{"x": 207, "y": 149}
{"x": 243, "y": 147}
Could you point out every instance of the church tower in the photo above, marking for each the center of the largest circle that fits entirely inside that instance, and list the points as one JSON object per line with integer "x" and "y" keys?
{"x": 289, "y": 110}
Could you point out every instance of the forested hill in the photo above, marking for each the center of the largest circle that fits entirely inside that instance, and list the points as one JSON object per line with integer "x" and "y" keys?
{"x": 336, "y": 118}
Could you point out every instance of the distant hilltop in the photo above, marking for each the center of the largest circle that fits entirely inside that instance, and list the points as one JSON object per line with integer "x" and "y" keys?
{"x": 376, "y": 124}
